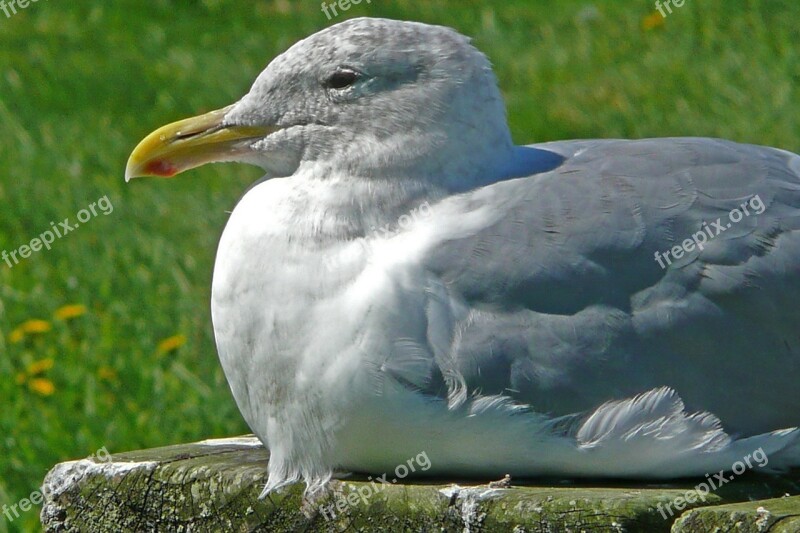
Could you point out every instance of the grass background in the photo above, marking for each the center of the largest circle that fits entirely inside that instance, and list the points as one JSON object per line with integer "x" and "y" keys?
{"x": 81, "y": 82}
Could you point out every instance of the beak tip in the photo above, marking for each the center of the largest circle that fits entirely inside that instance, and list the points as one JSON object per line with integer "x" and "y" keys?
{"x": 158, "y": 168}
{"x": 132, "y": 170}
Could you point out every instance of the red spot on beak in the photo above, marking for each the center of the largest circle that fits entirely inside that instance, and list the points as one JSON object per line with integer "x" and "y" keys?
{"x": 161, "y": 168}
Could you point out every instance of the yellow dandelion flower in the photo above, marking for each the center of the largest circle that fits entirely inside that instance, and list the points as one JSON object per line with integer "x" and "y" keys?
{"x": 107, "y": 373}
{"x": 70, "y": 311}
{"x": 42, "y": 386}
{"x": 171, "y": 343}
{"x": 37, "y": 367}
{"x": 653, "y": 20}
{"x": 36, "y": 326}
{"x": 16, "y": 336}
{"x": 21, "y": 378}
{"x": 29, "y": 327}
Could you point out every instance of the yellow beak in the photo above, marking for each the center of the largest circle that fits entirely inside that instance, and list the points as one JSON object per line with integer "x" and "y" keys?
{"x": 190, "y": 143}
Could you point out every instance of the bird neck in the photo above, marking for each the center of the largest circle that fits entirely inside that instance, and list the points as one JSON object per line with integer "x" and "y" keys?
{"x": 344, "y": 208}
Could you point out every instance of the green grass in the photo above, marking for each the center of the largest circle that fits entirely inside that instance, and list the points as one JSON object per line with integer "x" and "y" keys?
{"x": 81, "y": 82}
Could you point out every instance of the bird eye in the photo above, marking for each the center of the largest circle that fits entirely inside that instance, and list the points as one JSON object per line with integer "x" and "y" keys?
{"x": 342, "y": 78}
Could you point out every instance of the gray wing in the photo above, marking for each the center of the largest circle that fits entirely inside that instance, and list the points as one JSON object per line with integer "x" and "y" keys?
{"x": 569, "y": 307}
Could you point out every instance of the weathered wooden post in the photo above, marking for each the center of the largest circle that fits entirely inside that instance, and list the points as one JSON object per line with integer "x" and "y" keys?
{"x": 214, "y": 486}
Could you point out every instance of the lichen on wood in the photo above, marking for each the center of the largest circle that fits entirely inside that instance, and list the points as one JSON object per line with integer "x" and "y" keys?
{"x": 214, "y": 486}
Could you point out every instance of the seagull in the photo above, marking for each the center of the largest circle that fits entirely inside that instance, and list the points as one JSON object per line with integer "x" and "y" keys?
{"x": 405, "y": 279}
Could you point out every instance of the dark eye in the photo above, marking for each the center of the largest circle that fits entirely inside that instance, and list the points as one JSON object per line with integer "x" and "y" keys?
{"x": 342, "y": 78}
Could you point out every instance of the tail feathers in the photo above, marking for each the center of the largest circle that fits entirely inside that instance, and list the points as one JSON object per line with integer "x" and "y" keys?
{"x": 649, "y": 436}
{"x": 783, "y": 459}
{"x": 652, "y": 436}
{"x": 658, "y": 415}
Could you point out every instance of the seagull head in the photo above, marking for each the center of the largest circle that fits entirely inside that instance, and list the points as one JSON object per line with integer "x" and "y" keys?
{"x": 367, "y": 98}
